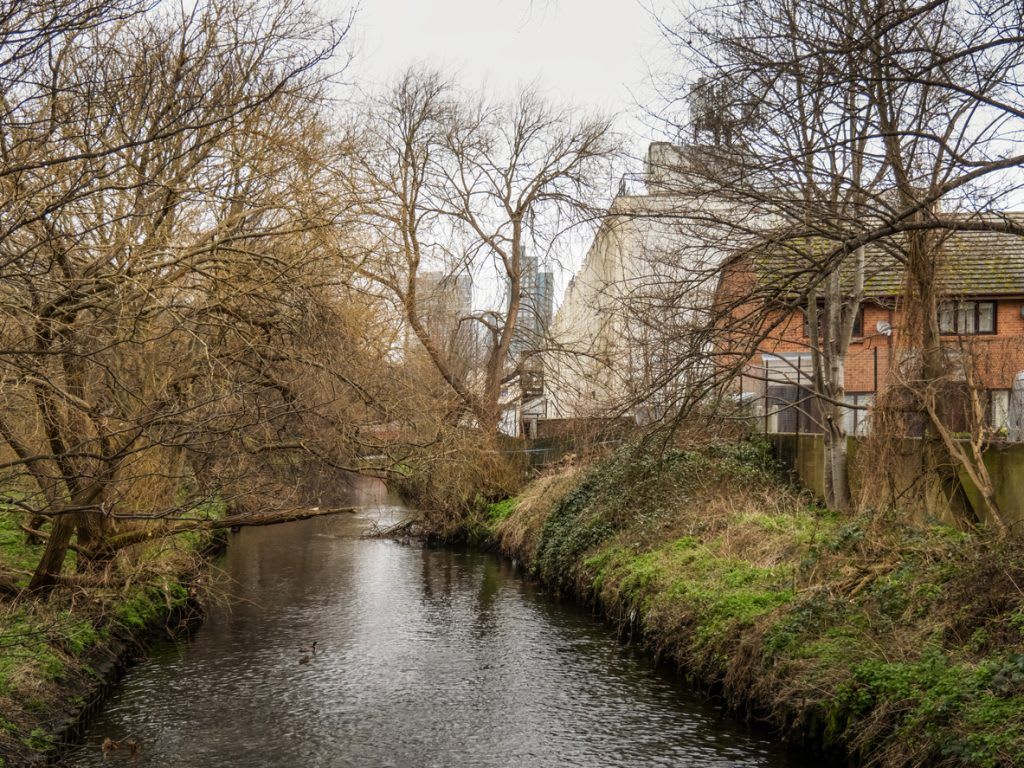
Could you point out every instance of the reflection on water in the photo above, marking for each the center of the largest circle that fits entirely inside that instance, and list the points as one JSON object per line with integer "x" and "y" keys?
{"x": 424, "y": 658}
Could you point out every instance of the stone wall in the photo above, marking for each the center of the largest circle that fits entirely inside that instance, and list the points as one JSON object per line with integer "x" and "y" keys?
{"x": 1005, "y": 464}
{"x": 804, "y": 456}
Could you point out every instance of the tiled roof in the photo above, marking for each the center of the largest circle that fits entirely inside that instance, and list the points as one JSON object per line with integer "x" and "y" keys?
{"x": 975, "y": 263}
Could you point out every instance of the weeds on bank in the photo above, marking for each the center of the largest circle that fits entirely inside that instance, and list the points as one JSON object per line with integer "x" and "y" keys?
{"x": 902, "y": 644}
{"x": 16, "y": 555}
{"x": 46, "y": 645}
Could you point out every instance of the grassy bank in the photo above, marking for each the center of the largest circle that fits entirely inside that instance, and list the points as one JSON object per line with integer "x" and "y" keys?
{"x": 896, "y": 645}
{"x": 57, "y": 654}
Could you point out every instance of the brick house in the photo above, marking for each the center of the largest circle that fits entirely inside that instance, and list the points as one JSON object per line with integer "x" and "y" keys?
{"x": 982, "y": 315}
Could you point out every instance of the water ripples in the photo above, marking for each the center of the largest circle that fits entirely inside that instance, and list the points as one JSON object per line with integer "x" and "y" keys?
{"x": 424, "y": 658}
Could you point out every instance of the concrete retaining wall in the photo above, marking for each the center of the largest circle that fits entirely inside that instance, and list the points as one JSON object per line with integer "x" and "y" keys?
{"x": 804, "y": 456}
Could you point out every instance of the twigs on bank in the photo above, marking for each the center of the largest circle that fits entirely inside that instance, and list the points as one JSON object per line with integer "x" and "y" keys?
{"x": 9, "y": 583}
{"x": 405, "y": 527}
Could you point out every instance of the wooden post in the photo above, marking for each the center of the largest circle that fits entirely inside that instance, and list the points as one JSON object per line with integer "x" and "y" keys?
{"x": 742, "y": 404}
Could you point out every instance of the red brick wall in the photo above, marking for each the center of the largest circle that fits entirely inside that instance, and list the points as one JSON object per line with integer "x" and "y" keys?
{"x": 1001, "y": 356}
{"x": 997, "y": 357}
{"x": 868, "y": 353}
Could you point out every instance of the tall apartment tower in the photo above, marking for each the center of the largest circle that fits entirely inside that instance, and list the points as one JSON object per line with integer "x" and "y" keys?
{"x": 445, "y": 306}
{"x": 536, "y": 307}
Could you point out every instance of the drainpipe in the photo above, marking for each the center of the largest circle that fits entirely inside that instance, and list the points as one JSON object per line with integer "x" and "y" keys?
{"x": 875, "y": 350}
{"x": 766, "y": 398}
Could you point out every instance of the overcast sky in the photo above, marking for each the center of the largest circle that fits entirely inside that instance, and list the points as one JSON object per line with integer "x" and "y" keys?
{"x": 594, "y": 53}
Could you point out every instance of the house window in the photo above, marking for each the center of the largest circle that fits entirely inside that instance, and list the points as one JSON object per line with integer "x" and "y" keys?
{"x": 857, "y": 421}
{"x": 788, "y": 368}
{"x": 967, "y": 317}
{"x": 858, "y": 323}
{"x": 999, "y": 409}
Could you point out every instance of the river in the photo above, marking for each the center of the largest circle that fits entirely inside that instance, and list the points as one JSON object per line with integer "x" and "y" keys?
{"x": 425, "y": 657}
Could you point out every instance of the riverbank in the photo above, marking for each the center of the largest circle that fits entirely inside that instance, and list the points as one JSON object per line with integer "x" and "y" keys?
{"x": 60, "y": 656}
{"x": 481, "y": 668}
{"x": 888, "y": 644}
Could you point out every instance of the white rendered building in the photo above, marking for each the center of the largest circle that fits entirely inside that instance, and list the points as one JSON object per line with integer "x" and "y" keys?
{"x": 625, "y": 319}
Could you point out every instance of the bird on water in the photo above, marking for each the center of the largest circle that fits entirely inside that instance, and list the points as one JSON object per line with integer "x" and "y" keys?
{"x": 306, "y": 658}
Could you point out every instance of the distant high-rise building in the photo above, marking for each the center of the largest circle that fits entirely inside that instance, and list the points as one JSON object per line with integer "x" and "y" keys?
{"x": 529, "y": 339}
{"x": 536, "y": 307}
{"x": 445, "y": 305}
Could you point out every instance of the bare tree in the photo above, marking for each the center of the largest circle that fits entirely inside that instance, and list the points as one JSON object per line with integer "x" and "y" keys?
{"x": 457, "y": 186}
{"x": 869, "y": 128}
{"x": 169, "y": 271}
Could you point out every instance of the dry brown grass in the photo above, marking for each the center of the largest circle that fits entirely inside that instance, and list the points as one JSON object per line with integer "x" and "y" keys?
{"x": 892, "y": 640}
{"x": 519, "y": 535}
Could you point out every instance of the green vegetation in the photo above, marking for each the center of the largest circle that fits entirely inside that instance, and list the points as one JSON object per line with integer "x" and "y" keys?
{"x": 454, "y": 491}
{"x": 499, "y": 510}
{"x": 145, "y": 606}
{"x": 899, "y": 645}
{"x": 47, "y": 648}
{"x": 16, "y": 554}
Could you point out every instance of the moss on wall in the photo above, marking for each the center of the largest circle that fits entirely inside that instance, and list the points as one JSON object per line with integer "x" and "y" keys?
{"x": 804, "y": 457}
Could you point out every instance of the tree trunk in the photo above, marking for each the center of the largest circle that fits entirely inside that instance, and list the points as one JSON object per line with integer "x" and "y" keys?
{"x": 92, "y": 528}
{"x": 837, "y": 485}
{"x": 52, "y": 562}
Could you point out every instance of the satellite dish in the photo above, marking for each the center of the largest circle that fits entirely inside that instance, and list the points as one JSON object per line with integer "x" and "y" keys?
{"x": 884, "y": 327}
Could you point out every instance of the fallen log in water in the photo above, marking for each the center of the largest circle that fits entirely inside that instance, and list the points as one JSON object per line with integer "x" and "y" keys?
{"x": 392, "y": 531}
{"x": 285, "y": 516}
{"x": 232, "y": 522}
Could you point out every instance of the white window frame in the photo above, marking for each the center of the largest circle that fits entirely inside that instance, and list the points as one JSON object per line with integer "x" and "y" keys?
{"x": 999, "y": 409}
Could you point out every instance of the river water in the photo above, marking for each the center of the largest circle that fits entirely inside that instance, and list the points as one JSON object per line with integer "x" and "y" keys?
{"x": 424, "y": 658}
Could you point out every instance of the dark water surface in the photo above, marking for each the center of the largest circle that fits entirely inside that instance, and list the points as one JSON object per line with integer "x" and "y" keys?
{"x": 425, "y": 658}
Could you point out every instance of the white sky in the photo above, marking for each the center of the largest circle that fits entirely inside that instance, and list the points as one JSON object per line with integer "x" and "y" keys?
{"x": 593, "y": 53}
